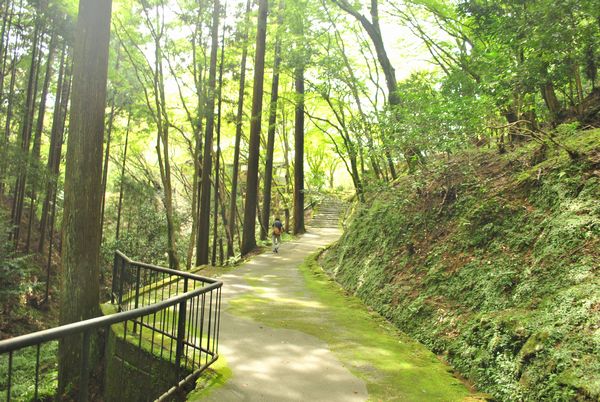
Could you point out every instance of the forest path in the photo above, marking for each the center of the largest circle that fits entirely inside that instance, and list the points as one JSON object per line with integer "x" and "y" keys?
{"x": 280, "y": 340}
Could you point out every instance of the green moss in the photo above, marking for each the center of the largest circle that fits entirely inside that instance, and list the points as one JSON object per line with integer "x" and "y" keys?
{"x": 125, "y": 360}
{"x": 149, "y": 341}
{"x": 503, "y": 278}
{"x": 393, "y": 366}
{"x": 213, "y": 378}
{"x": 534, "y": 344}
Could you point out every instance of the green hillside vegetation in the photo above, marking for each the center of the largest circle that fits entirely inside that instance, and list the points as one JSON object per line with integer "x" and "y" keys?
{"x": 492, "y": 261}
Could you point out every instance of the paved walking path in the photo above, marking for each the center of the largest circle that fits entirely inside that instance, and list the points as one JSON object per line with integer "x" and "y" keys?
{"x": 272, "y": 363}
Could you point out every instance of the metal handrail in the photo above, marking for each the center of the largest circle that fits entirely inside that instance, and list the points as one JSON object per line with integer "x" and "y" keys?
{"x": 182, "y": 274}
{"x": 135, "y": 315}
{"x": 52, "y": 334}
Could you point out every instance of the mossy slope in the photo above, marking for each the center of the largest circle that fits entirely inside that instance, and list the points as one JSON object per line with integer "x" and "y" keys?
{"x": 493, "y": 261}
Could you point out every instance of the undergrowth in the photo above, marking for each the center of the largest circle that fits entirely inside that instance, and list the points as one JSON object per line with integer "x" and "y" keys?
{"x": 22, "y": 285}
{"x": 491, "y": 260}
{"x": 23, "y": 369}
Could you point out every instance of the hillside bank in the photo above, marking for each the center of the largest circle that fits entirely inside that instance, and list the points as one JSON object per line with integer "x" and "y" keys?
{"x": 492, "y": 261}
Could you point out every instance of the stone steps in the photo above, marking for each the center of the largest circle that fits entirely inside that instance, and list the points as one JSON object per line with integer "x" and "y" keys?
{"x": 328, "y": 214}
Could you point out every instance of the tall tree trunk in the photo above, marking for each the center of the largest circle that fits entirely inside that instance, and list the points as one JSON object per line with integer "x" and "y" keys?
{"x": 221, "y": 252}
{"x": 195, "y": 200}
{"x": 161, "y": 119}
{"x": 165, "y": 168}
{"x": 249, "y": 231}
{"x": 299, "y": 152}
{"x": 390, "y": 161}
{"x": 122, "y": 177}
{"x": 50, "y": 248}
{"x": 9, "y": 108}
{"x": 354, "y": 173}
{"x": 26, "y": 129}
{"x": 7, "y": 17}
{"x": 105, "y": 162}
{"x": 56, "y": 140}
{"x": 111, "y": 119}
{"x": 218, "y": 153}
{"x": 80, "y": 287}
{"x": 199, "y": 74}
{"x": 286, "y": 162}
{"x": 373, "y": 29}
{"x": 551, "y": 100}
{"x": 301, "y": 59}
{"x": 222, "y": 194}
{"x": 238, "y": 135}
{"x": 37, "y": 142}
{"x": 271, "y": 133}
{"x": 194, "y": 206}
{"x": 579, "y": 88}
{"x": 204, "y": 214}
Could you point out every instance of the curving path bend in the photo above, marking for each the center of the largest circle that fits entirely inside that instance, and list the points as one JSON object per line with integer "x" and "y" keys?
{"x": 273, "y": 363}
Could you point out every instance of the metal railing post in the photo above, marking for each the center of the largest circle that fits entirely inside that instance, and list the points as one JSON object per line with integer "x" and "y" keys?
{"x": 218, "y": 331}
{"x": 10, "y": 363}
{"x": 37, "y": 371}
{"x": 137, "y": 294}
{"x": 114, "y": 278}
{"x": 85, "y": 373}
{"x": 181, "y": 326}
{"x": 121, "y": 280}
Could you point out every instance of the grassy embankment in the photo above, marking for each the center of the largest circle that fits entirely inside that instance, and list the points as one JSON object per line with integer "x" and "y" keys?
{"x": 493, "y": 261}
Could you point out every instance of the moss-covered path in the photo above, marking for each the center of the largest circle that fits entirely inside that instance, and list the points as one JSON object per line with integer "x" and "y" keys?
{"x": 290, "y": 334}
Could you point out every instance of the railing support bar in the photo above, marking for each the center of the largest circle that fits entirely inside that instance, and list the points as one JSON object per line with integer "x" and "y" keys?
{"x": 137, "y": 294}
{"x": 181, "y": 326}
{"x": 121, "y": 280}
{"x": 85, "y": 369}
{"x": 114, "y": 278}
{"x": 9, "y": 380}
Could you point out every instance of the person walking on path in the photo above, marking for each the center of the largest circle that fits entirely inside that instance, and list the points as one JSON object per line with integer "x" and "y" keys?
{"x": 277, "y": 231}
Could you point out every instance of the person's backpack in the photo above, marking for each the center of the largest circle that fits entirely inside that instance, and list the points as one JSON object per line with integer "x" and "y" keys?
{"x": 277, "y": 228}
